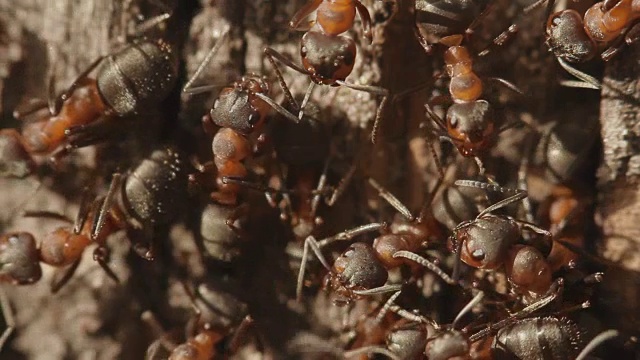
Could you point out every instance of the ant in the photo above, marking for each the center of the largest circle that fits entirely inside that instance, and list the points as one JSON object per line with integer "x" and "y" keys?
{"x": 129, "y": 81}
{"x": 516, "y": 336}
{"x": 149, "y": 195}
{"x": 576, "y": 39}
{"x": 201, "y": 338}
{"x": 363, "y": 269}
{"x": 239, "y": 111}
{"x": 327, "y": 56}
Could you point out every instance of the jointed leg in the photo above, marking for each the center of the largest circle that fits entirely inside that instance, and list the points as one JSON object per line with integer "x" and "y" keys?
{"x": 188, "y": 89}
{"x": 7, "y": 314}
{"x": 309, "y": 242}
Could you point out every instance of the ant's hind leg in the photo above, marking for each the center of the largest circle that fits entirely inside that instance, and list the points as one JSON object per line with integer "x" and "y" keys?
{"x": 7, "y": 314}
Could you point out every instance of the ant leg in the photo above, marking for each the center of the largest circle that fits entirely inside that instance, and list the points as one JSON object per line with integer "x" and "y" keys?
{"x": 476, "y": 299}
{"x": 536, "y": 229}
{"x": 188, "y": 89}
{"x": 315, "y": 201}
{"x": 239, "y": 334}
{"x": 47, "y": 214}
{"x": 588, "y": 81}
{"x": 425, "y": 211}
{"x": 392, "y": 200}
{"x": 426, "y": 263}
{"x": 428, "y": 48}
{"x": 236, "y": 215}
{"x": 369, "y": 350}
{"x": 500, "y": 40}
{"x": 304, "y": 11}
{"x": 252, "y": 185}
{"x": 434, "y": 117}
{"x": 283, "y": 84}
{"x": 101, "y": 256}
{"x": 507, "y": 84}
{"x": 285, "y": 61}
{"x": 522, "y": 177}
{"x": 309, "y": 242}
{"x": 158, "y": 331}
{"x": 305, "y": 100}
{"x": 32, "y": 106}
{"x": 365, "y": 19}
{"x": 481, "y": 169}
{"x": 9, "y": 319}
{"x": 83, "y": 211}
{"x": 379, "y": 290}
{"x": 95, "y": 132}
{"x": 57, "y": 284}
{"x": 375, "y": 90}
{"x": 342, "y": 186}
{"x": 277, "y": 107}
{"x": 107, "y": 203}
{"x": 351, "y": 233}
{"x": 55, "y": 104}
{"x": 597, "y": 341}
{"x": 413, "y": 317}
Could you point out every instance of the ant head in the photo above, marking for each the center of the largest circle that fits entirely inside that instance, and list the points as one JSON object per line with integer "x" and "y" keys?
{"x": 471, "y": 127}
{"x": 408, "y": 341}
{"x": 238, "y": 108}
{"x": 327, "y": 58}
{"x": 484, "y": 242}
{"x": 19, "y": 258}
{"x": 15, "y": 161}
{"x": 358, "y": 268}
{"x": 448, "y": 344}
{"x": 567, "y": 37}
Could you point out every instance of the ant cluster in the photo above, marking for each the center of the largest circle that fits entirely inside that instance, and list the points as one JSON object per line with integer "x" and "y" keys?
{"x": 275, "y": 184}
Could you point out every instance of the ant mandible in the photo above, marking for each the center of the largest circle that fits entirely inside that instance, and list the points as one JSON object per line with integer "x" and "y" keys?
{"x": 327, "y": 56}
{"x": 576, "y": 39}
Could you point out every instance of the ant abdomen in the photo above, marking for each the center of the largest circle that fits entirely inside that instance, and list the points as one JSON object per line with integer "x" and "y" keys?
{"x": 219, "y": 240}
{"x": 140, "y": 75}
{"x": 155, "y": 191}
{"x": 327, "y": 58}
{"x": 408, "y": 340}
{"x": 19, "y": 259}
{"x": 537, "y": 338}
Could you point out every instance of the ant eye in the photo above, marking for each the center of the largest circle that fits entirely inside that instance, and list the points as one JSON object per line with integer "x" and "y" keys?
{"x": 253, "y": 118}
{"x": 453, "y": 121}
{"x": 478, "y": 254}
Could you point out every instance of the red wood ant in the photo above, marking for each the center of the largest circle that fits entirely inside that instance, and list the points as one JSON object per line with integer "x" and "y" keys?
{"x": 129, "y": 81}
{"x": 151, "y": 194}
{"x": 201, "y": 338}
{"x": 327, "y": 56}
{"x": 577, "y": 39}
{"x": 515, "y": 337}
{"x": 363, "y": 269}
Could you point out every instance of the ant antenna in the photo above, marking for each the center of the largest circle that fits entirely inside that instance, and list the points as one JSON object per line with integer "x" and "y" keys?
{"x": 597, "y": 341}
{"x": 187, "y": 87}
{"x": 305, "y": 100}
{"x": 426, "y": 263}
{"x": 476, "y": 299}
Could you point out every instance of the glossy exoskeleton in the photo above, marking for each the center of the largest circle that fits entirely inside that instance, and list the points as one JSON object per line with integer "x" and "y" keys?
{"x": 129, "y": 81}
{"x": 328, "y": 57}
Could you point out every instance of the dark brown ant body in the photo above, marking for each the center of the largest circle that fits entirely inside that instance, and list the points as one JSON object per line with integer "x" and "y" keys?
{"x": 363, "y": 269}
{"x": 577, "y": 39}
{"x": 216, "y": 313}
{"x": 129, "y": 81}
{"x": 150, "y": 195}
{"x": 327, "y": 56}
{"x": 516, "y": 337}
